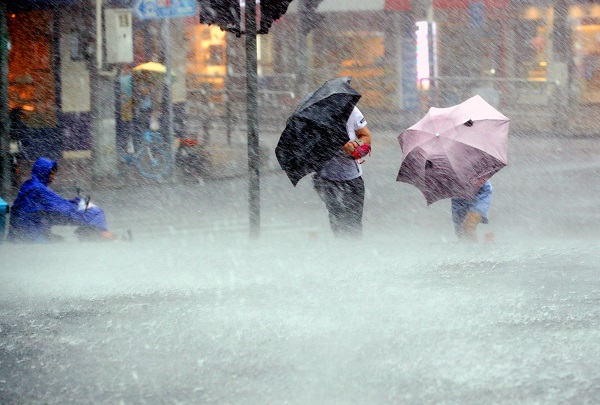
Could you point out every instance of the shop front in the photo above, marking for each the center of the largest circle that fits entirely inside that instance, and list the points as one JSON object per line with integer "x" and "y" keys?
{"x": 206, "y": 62}
{"x": 355, "y": 50}
{"x": 31, "y": 67}
{"x": 534, "y": 34}
{"x": 585, "y": 23}
{"x": 33, "y": 94}
{"x": 364, "y": 40}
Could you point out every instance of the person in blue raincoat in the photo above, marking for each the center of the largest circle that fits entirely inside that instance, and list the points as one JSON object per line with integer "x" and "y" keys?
{"x": 37, "y": 208}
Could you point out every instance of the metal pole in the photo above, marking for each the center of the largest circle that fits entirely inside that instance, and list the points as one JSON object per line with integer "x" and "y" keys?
{"x": 99, "y": 35}
{"x": 252, "y": 116}
{"x": 561, "y": 65}
{"x": 228, "y": 86}
{"x": 166, "y": 30}
{"x": 5, "y": 167}
{"x": 302, "y": 58}
{"x": 104, "y": 157}
{"x": 432, "y": 49}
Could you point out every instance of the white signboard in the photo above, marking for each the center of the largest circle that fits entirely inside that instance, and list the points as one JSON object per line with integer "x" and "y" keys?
{"x": 119, "y": 38}
{"x": 343, "y": 5}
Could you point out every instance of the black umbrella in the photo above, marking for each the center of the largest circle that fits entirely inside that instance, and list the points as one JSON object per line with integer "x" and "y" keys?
{"x": 316, "y": 131}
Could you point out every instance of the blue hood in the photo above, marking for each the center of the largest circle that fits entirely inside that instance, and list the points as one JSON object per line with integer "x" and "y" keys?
{"x": 41, "y": 170}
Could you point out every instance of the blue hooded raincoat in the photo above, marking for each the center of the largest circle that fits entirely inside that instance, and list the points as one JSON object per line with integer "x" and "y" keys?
{"x": 37, "y": 208}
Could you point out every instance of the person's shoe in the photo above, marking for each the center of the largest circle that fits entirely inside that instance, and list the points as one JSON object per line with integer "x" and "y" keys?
{"x": 107, "y": 236}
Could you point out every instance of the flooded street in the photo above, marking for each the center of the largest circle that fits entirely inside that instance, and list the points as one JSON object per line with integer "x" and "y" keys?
{"x": 192, "y": 311}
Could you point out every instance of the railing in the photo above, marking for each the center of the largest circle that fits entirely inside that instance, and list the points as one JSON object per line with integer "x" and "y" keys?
{"x": 209, "y": 106}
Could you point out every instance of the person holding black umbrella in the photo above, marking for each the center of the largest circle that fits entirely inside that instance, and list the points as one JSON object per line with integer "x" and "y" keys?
{"x": 340, "y": 184}
{"x": 327, "y": 135}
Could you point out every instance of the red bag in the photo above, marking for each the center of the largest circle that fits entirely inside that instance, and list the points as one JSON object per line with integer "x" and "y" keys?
{"x": 361, "y": 151}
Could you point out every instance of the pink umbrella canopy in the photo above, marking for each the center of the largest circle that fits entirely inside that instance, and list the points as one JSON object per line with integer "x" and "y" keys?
{"x": 451, "y": 151}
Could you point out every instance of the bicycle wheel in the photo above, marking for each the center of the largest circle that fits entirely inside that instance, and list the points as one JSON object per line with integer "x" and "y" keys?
{"x": 154, "y": 162}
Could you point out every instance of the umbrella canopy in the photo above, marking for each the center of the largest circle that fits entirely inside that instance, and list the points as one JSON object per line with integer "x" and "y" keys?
{"x": 153, "y": 67}
{"x": 316, "y": 131}
{"x": 450, "y": 151}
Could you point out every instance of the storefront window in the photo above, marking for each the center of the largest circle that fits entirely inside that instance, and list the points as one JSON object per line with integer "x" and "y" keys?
{"x": 358, "y": 54}
{"x": 206, "y": 57}
{"x": 532, "y": 46}
{"x": 31, "y": 76}
{"x": 266, "y": 60}
{"x": 586, "y": 47}
{"x": 206, "y": 63}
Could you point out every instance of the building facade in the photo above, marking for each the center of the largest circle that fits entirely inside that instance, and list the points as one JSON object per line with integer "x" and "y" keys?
{"x": 538, "y": 61}
{"x": 50, "y": 64}
{"x": 529, "y": 58}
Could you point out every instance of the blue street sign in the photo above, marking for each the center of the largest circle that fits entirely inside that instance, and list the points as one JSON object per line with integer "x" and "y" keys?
{"x": 154, "y": 9}
{"x": 476, "y": 15}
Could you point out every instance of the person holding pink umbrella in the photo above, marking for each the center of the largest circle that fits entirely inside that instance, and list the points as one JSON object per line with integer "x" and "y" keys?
{"x": 451, "y": 153}
{"x": 468, "y": 214}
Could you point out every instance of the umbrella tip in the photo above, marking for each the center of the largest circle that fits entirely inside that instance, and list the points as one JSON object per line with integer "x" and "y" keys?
{"x": 469, "y": 123}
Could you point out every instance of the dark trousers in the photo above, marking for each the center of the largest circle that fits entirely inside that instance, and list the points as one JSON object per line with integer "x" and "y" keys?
{"x": 344, "y": 201}
{"x": 141, "y": 124}
{"x": 124, "y": 131}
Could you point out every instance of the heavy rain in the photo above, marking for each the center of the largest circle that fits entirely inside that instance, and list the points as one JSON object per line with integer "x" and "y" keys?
{"x": 215, "y": 279}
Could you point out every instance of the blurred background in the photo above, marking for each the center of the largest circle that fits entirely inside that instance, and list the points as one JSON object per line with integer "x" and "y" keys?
{"x": 69, "y": 65}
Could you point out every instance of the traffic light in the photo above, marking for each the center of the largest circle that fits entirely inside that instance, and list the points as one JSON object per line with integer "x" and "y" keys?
{"x": 224, "y": 13}
{"x": 271, "y": 10}
{"x": 227, "y": 15}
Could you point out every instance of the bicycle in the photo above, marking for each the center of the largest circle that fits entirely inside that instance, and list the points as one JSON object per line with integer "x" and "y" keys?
{"x": 153, "y": 159}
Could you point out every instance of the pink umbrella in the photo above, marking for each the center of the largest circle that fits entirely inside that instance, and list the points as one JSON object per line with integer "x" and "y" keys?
{"x": 451, "y": 151}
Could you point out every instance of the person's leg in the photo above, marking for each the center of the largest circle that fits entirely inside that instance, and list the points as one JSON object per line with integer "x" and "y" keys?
{"x": 469, "y": 225}
{"x": 136, "y": 135}
{"x": 352, "y": 204}
{"x": 459, "y": 212}
{"x": 140, "y": 126}
{"x": 335, "y": 207}
{"x": 124, "y": 136}
{"x": 332, "y": 196}
{"x": 356, "y": 205}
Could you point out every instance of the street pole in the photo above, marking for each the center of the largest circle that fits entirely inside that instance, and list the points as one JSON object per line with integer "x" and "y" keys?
{"x": 228, "y": 85}
{"x": 5, "y": 166}
{"x": 560, "y": 67}
{"x": 104, "y": 156}
{"x": 432, "y": 50}
{"x": 166, "y": 31}
{"x": 252, "y": 117}
{"x": 302, "y": 58}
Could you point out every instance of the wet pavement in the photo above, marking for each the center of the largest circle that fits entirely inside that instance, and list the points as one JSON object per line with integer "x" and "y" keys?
{"x": 548, "y": 189}
{"x": 193, "y": 311}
